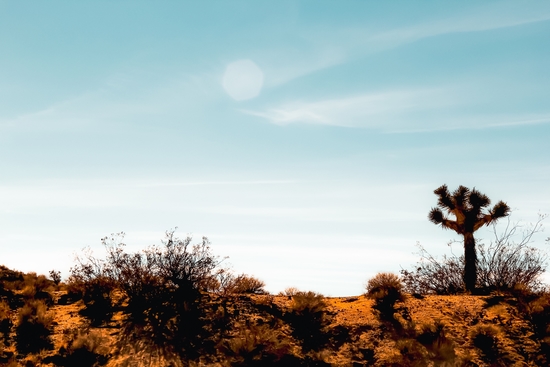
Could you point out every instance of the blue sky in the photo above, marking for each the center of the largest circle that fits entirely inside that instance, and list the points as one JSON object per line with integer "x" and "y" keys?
{"x": 305, "y": 139}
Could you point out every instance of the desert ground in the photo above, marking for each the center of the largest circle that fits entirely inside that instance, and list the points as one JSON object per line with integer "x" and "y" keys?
{"x": 305, "y": 329}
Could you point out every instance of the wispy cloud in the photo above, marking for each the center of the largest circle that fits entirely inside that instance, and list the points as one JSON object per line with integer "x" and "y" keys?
{"x": 374, "y": 110}
{"x": 284, "y": 65}
{"x": 121, "y": 98}
{"x": 479, "y": 19}
{"x": 329, "y": 46}
{"x": 413, "y": 109}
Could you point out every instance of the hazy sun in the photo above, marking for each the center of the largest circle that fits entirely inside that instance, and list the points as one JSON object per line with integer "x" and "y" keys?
{"x": 243, "y": 80}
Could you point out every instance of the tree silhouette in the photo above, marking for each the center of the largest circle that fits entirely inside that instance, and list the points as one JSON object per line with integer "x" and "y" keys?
{"x": 466, "y": 205}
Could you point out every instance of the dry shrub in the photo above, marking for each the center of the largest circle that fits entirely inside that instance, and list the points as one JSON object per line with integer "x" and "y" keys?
{"x": 433, "y": 275}
{"x": 34, "y": 326}
{"x": 12, "y": 362}
{"x": 432, "y": 336}
{"x": 256, "y": 345}
{"x": 10, "y": 279}
{"x": 412, "y": 353}
{"x": 246, "y": 284}
{"x": 289, "y": 292}
{"x": 55, "y": 276}
{"x": 38, "y": 283}
{"x": 486, "y": 339}
{"x": 385, "y": 289}
{"x": 35, "y": 287}
{"x": 307, "y": 317}
{"x": 5, "y": 322}
{"x": 96, "y": 292}
{"x": 308, "y": 302}
{"x": 82, "y": 349}
{"x": 224, "y": 282}
{"x": 161, "y": 289}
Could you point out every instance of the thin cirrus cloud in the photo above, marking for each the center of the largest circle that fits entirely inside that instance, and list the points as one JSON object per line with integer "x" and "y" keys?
{"x": 335, "y": 47}
{"x": 400, "y": 110}
{"x": 485, "y": 19}
{"x": 360, "y": 40}
{"x": 118, "y": 100}
{"x": 374, "y": 110}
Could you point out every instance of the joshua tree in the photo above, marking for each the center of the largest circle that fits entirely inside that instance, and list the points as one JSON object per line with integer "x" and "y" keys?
{"x": 466, "y": 205}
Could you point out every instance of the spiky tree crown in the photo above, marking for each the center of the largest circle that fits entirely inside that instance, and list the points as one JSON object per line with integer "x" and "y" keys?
{"x": 467, "y": 207}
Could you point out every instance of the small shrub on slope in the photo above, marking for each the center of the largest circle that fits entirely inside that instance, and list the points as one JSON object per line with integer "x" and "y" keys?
{"x": 83, "y": 350}
{"x": 246, "y": 284}
{"x": 486, "y": 339}
{"x": 257, "y": 345}
{"x": 5, "y": 324}
{"x": 385, "y": 289}
{"x": 307, "y": 317}
{"x": 34, "y": 326}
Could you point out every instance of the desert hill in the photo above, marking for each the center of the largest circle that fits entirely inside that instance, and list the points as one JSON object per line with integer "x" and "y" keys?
{"x": 291, "y": 329}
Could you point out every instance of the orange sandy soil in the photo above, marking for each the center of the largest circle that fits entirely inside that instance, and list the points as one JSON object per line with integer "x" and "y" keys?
{"x": 458, "y": 314}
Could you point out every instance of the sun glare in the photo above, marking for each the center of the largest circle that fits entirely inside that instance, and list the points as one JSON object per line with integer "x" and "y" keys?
{"x": 243, "y": 80}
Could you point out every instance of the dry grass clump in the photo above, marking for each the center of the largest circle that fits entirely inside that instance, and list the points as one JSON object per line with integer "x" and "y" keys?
{"x": 33, "y": 328}
{"x": 82, "y": 349}
{"x": 5, "y": 322}
{"x": 486, "y": 339}
{"x": 246, "y": 284}
{"x": 308, "y": 317}
{"x": 289, "y": 292}
{"x": 385, "y": 289}
{"x": 432, "y": 336}
{"x": 308, "y": 303}
{"x": 256, "y": 345}
{"x": 224, "y": 282}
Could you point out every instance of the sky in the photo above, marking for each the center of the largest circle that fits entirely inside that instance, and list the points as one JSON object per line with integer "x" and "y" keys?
{"x": 303, "y": 138}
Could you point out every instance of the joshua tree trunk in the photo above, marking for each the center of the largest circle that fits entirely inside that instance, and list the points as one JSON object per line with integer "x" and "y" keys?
{"x": 470, "y": 262}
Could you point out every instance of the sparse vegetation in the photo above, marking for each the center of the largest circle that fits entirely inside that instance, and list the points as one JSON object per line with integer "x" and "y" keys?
{"x": 246, "y": 284}
{"x": 82, "y": 349}
{"x": 5, "y": 324}
{"x": 507, "y": 262}
{"x": 55, "y": 276}
{"x": 34, "y": 327}
{"x": 307, "y": 317}
{"x": 257, "y": 346}
{"x": 385, "y": 289}
{"x": 486, "y": 338}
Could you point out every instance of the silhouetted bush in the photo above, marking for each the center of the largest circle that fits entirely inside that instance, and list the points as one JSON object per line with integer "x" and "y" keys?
{"x": 5, "y": 324}
{"x": 162, "y": 287}
{"x": 246, "y": 284}
{"x": 289, "y": 292}
{"x": 9, "y": 278}
{"x": 501, "y": 266}
{"x": 308, "y": 316}
{"x": 224, "y": 282}
{"x": 411, "y": 352}
{"x": 385, "y": 289}
{"x": 91, "y": 282}
{"x": 485, "y": 337}
{"x": 432, "y": 336}
{"x": 256, "y": 345}
{"x": 33, "y": 328}
{"x": 55, "y": 276}
{"x": 82, "y": 349}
